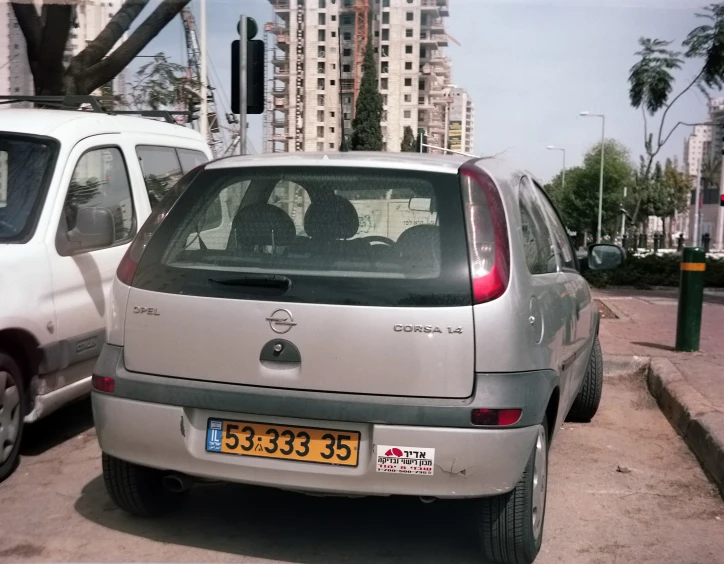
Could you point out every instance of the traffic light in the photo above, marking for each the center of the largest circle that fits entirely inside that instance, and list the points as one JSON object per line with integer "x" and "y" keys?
{"x": 192, "y": 104}
{"x": 721, "y": 200}
{"x": 254, "y": 72}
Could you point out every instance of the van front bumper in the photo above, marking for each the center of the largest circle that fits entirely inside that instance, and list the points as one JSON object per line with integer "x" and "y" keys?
{"x": 161, "y": 423}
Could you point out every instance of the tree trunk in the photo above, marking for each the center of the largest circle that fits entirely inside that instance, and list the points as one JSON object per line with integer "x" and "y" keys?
{"x": 663, "y": 231}
{"x": 46, "y": 39}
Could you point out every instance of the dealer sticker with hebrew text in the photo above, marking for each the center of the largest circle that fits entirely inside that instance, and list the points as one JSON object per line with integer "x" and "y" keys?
{"x": 405, "y": 460}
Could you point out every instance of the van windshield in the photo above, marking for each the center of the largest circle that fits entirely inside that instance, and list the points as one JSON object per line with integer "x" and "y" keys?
{"x": 26, "y": 165}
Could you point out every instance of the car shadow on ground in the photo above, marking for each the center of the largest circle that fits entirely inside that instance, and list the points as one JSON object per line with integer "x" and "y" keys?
{"x": 265, "y": 523}
{"x": 66, "y": 423}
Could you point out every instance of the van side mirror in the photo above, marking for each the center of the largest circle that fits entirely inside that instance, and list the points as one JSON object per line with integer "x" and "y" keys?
{"x": 94, "y": 228}
{"x": 604, "y": 256}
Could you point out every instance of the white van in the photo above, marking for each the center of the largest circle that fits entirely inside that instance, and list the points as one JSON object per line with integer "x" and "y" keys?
{"x": 75, "y": 187}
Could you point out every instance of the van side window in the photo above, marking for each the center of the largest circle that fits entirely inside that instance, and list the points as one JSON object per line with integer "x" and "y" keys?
{"x": 559, "y": 232}
{"x": 537, "y": 241}
{"x": 161, "y": 170}
{"x": 100, "y": 180}
{"x": 191, "y": 159}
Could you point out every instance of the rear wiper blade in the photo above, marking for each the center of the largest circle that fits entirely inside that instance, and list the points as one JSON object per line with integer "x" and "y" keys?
{"x": 255, "y": 281}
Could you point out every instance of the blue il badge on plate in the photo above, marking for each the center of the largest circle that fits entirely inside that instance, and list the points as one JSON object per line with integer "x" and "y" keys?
{"x": 213, "y": 436}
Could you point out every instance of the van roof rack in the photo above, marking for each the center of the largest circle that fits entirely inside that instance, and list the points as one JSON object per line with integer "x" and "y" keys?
{"x": 73, "y": 103}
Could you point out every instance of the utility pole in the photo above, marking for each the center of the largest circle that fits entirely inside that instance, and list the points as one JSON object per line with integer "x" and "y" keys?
{"x": 243, "y": 43}
{"x": 697, "y": 213}
{"x": 204, "y": 127}
{"x": 720, "y": 214}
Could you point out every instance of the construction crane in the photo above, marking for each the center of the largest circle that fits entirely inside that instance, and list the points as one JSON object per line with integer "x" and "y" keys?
{"x": 361, "y": 39}
{"x": 193, "y": 52}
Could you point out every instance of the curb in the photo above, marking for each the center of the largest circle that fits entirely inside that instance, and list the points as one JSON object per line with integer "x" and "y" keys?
{"x": 690, "y": 414}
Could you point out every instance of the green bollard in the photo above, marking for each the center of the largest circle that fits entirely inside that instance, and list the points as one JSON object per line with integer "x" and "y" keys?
{"x": 691, "y": 299}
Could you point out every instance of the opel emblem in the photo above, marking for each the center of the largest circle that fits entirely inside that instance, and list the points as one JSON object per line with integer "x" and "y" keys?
{"x": 281, "y": 321}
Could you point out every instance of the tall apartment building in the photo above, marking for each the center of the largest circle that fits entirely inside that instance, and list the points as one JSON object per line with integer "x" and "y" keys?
{"x": 317, "y": 67}
{"x": 461, "y": 121}
{"x": 15, "y": 76}
{"x": 702, "y": 149}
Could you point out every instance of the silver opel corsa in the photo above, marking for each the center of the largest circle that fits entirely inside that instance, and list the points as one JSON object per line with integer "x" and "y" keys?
{"x": 351, "y": 324}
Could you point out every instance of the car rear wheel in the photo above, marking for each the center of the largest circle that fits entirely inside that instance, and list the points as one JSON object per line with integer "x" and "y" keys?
{"x": 137, "y": 489}
{"x": 511, "y": 525}
{"x": 588, "y": 399}
{"x": 12, "y": 414}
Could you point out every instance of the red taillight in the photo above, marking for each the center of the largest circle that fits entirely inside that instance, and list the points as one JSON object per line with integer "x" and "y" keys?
{"x": 127, "y": 269}
{"x": 495, "y": 417}
{"x": 487, "y": 234}
{"x": 104, "y": 384}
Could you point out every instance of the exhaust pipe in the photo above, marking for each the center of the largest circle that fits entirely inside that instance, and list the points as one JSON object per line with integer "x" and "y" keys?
{"x": 177, "y": 482}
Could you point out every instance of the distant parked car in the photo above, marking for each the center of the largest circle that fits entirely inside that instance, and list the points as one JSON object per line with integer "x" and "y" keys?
{"x": 74, "y": 188}
{"x": 351, "y": 324}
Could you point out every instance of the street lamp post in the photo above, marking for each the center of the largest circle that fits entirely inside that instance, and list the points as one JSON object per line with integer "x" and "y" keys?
{"x": 563, "y": 171}
{"x": 600, "y": 188}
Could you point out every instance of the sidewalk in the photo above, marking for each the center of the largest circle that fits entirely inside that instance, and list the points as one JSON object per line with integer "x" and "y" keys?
{"x": 689, "y": 387}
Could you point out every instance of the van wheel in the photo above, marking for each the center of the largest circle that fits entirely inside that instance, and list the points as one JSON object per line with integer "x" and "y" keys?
{"x": 12, "y": 414}
{"x": 138, "y": 489}
{"x": 511, "y": 525}
{"x": 588, "y": 399}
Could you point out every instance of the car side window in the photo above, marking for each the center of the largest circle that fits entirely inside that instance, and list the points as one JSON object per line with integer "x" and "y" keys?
{"x": 161, "y": 170}
{"x": 560, "y": 234}
{"x": 537, "y": 241}
{"x": 100, "y": 180}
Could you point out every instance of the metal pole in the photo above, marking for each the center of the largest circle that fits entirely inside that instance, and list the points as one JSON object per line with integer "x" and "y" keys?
{"x": 600, "y": 188}
{"x": 243, "y": 37}
{"x": 447, "y": 125}
{"x": 720, "y": 215}
{"x": 623, "y": 215}
{"x": 697, "y": 192}
{"x": 563, "y": 177}
{"x": 691, "y": 299}
{"x": 204, "y": 126}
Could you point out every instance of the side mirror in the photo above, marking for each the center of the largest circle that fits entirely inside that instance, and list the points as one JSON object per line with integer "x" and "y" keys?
{"x": 604, "y": 256}
{"x": 94, "y": 228}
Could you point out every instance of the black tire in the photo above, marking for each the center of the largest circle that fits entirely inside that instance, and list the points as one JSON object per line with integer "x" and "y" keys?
{"x": 588, "y": 399}
{"x": 505, "y": 522}
{"x": 138, "y": 489}
{"x": 13, "y": 407}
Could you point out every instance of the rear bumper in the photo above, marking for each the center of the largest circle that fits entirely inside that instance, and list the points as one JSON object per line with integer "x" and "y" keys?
{"x": 468, "y": 462}
{"x": 161, "y": 422}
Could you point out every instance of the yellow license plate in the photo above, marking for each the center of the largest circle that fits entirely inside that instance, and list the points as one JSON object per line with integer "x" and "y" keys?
{"x": 305, "y": 444}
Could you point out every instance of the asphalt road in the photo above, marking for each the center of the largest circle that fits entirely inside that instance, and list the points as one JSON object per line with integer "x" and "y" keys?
{"x": 660, "y": 508}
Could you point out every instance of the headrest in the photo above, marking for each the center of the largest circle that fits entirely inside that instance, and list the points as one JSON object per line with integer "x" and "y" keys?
{"x": 264, "y": 225}
{"x": 332, "y": 217}
{"x": 420, "y": 245}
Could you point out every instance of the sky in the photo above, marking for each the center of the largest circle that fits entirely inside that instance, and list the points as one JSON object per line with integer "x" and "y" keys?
{"x": 531, "y": 66}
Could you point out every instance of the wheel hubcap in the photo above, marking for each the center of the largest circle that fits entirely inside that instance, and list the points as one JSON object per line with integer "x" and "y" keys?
{"x": 9, "y": 414}
{"x": 540, "y": 482}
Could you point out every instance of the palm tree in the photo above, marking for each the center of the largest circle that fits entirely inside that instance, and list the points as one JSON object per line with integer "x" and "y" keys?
{"x": 710, "y": 172}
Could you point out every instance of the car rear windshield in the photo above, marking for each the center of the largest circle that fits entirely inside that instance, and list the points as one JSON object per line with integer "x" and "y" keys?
{"x": 316, "y": 235}
{"x": 26, "y": 166}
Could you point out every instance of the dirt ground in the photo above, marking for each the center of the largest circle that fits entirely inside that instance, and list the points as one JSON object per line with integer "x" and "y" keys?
{"x": 623, "y": 489}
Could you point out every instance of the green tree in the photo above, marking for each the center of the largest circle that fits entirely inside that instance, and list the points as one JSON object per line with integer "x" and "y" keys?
{"x": 578, "y": 201}
{"x": 46, "y": 36}
{"x": 367, "y": 128}
{"x": 651, "y": 82}
{"x": 409, "y": 143}
{"x": 161, "y": 84}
